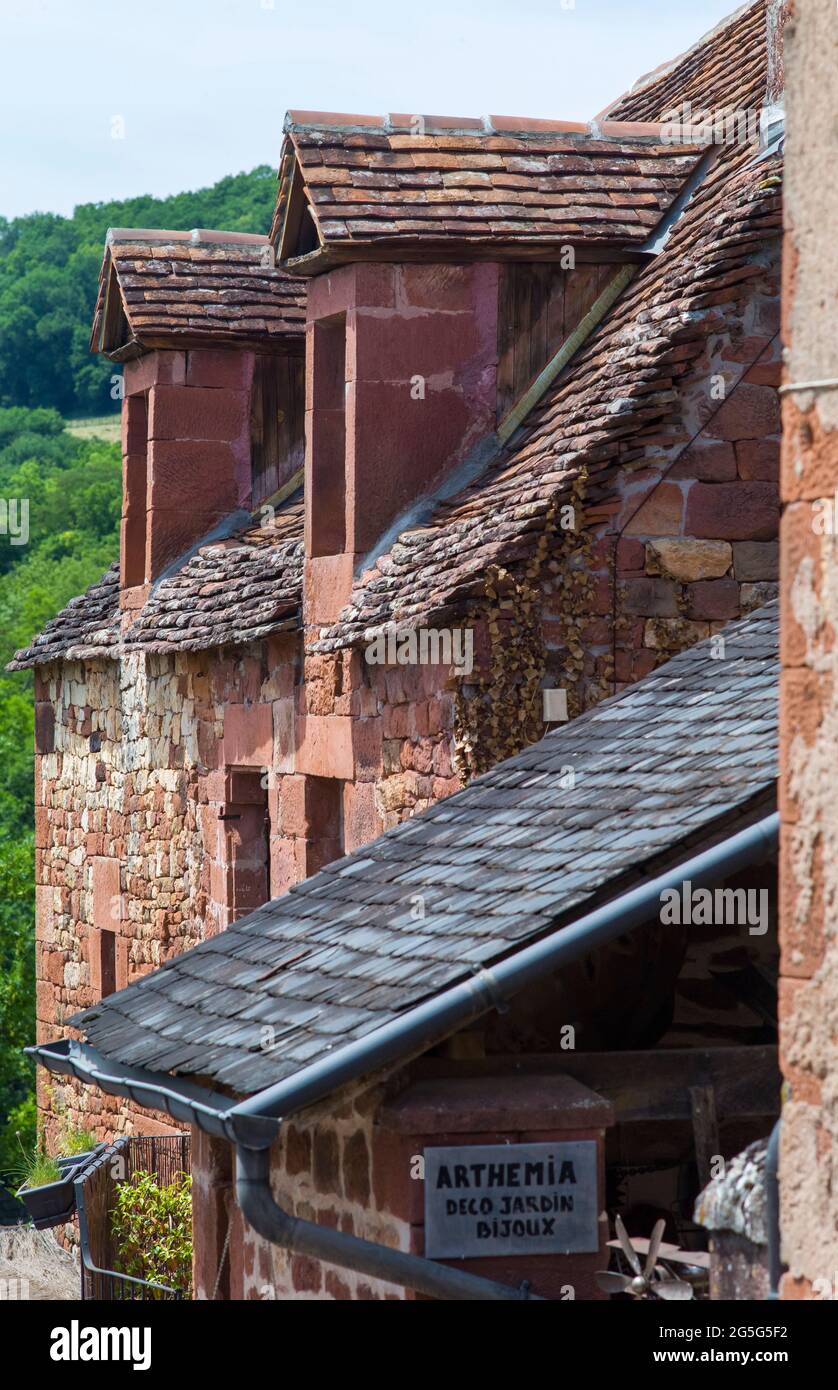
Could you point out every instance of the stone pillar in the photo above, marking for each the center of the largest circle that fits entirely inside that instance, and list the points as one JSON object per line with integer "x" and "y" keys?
{"x": 212, "y": 1198}
{"x": 401, "y": 382}
{"x": 809, "y": 653}
{"x": 186, "y": 455}
{"x": 733, "y": 1209}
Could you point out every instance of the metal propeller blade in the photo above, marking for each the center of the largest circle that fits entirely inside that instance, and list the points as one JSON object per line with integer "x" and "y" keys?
{"x": 626, "y": 1245}
{"x": 654, "y": 1247}
{"x": 611, "y": 1282}
{"x": 672, "y": 1290}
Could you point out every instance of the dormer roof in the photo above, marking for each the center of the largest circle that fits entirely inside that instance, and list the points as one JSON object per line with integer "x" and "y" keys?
{"x": 402, "y": 187}
{"x": 161, "y": 289}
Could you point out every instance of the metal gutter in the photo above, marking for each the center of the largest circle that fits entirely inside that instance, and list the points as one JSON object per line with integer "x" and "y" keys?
{"x": 253, "y": 1125}
{"x": 184, "y": 1100}
{"x": 490, "y": 987}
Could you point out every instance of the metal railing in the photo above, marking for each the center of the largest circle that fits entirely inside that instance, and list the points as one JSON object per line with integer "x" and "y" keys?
{"x": 163, "y": 1155}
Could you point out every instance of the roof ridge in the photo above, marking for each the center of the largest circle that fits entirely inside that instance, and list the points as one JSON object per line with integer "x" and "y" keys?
{"x": 198, "y": 236}
{"x": 477, "y": 127}
{"x": 669, "y": 65}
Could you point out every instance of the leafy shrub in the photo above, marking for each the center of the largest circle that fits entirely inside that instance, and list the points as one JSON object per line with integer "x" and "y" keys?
{"x": 152, "y": 1229}
{"x": 21, "y": 1131}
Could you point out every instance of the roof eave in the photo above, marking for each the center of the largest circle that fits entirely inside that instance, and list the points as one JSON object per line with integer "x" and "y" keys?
{"x": 250, "y": 1122}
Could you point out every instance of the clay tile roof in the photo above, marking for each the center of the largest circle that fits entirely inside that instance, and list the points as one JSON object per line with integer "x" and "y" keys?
{"x": 354, "y": 186}
{"x": 164, "y": 289}
{"x": 725, "y": 70}
{"x": 87, "y": 628}
{"x": 674, "y": 763}
{"x": 620, "y": 389}
{"x": 227, "y": 592}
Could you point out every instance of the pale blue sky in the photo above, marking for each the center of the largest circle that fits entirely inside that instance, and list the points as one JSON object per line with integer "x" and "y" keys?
{"x": 202, "y": 85}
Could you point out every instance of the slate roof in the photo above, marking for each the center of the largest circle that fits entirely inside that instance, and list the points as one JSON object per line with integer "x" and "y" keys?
{"x": 165, "y": 289}
{"x": 621, "y": 389}
{"x": 674, "y": 759}
{"x": 228, "y": 592}
{"x": 497, "y": 185}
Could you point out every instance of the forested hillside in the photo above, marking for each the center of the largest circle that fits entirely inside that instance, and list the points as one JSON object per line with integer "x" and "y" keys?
{"x": 71, "y": 487}
{"x": 68, "y": 491}
{"x": 49, "y": 270}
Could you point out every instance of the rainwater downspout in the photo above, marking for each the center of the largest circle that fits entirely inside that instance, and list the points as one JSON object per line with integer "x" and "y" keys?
{"x": 422, "y": 1026}
{"x": 253, "y": 1125}
{"x": 266, "y": 1216}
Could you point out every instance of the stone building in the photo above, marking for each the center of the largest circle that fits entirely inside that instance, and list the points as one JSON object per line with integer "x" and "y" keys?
{"x": 486, "y": 431}
{"x": 809, "y": 1142}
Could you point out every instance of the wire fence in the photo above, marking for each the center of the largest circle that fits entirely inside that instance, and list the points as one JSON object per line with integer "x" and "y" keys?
{"x": 165, "y": 1156}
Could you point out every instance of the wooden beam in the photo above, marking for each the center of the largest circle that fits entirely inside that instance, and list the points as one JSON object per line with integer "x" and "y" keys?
{"x": 705, "y": 1129}
{"x": 655, "y": 1085}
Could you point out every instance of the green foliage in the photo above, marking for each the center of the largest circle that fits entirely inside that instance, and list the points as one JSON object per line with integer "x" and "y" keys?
{"x": 21, "y": 1132}
{"x": 39, "y": 1168}
{"x": 73, "y": 487}
{"x": 152, "y": 1230}
{"x": 17, "y": 990}
{"x": 49, "y": 272}
{"x": 74, "y": 1141}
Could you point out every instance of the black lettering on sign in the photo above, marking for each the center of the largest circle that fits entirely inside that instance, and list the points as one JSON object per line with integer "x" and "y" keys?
{"x": 511, "y": 1199}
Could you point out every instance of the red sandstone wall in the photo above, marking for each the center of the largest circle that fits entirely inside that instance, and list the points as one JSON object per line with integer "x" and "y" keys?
{"x": 809, "y": 710}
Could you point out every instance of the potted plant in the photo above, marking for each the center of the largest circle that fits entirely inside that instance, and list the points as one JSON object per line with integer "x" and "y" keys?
{"x": 77, "y": 1146}
{"x": 47, "y": 1189}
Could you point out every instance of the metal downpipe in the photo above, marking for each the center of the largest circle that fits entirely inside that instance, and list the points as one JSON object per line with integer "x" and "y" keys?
{"x": 266, "y": 1216}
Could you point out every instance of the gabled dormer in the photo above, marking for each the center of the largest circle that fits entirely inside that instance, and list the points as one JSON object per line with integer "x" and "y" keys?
{"x": 450, "y": 262}
{"x": 211, "y": 337}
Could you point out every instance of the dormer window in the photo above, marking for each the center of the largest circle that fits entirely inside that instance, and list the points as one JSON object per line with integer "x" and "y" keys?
{"x": 277, "y": 424}
{"x": 134, "y": 492}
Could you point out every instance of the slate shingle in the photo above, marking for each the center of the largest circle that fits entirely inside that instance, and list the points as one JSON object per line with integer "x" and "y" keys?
{"x": 306, "y": 965}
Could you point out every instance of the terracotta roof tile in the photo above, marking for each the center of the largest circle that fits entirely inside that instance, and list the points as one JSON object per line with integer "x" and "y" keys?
{"x": 88, "y": 627}
{"x": 617, "y": 391}
{"x": 162, "y": 289}
{"x": 227, "y": 593}
{"x": 370, "y": 189}
{"x": 726, "y": 70}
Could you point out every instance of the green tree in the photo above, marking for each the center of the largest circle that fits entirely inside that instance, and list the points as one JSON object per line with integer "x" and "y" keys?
{"x": 49, "y": 271}
{"x": 73, "y": 490}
